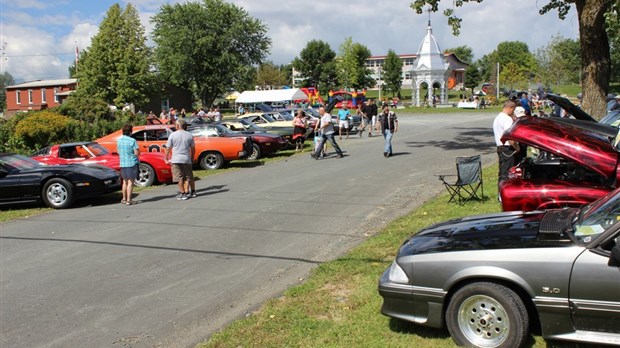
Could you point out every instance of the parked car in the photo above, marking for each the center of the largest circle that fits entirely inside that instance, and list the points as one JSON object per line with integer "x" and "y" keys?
{"x": 152, "y": 167}
{"x": 245, "y": 125}
{"x": 24, "y": 180}
{"x": 272, "y": 119}
{"x": 575, "y": 166}
{"x": 211, "y": 152}
{"x": 263, "y": 144}
{"x": 490, "y": 279}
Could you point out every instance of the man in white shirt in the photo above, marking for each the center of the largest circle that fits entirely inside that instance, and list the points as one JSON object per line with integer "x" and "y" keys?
{"x": 505, "y": 150}
{"x": 327, "y": 134}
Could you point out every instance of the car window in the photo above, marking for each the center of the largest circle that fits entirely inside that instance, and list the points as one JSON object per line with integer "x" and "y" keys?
{"x": 597, "y": 217}
{"x": 19, "y": 162}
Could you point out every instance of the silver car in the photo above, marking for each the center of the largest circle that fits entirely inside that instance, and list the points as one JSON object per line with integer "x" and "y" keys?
{"x": 490, "y": 279}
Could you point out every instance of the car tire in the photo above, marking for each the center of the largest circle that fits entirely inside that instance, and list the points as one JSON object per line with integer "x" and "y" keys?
{"x": 487, "y": 315}
{"x": 256, "y": 153}
{"x": 211, "y": 161}
{"x": 58, "y": 193}
{"x": 146, "y": 175}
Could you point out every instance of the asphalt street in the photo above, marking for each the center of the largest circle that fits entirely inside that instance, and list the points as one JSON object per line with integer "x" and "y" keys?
{"x": 168, "y": 273}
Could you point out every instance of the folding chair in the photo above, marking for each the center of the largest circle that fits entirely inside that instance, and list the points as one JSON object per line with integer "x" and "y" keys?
{"x": 468, "y": 182}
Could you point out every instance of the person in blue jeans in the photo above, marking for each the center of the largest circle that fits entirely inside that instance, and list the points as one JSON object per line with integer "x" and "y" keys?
{"x": 389, "y": 126}
{"x": 327, "y": 134}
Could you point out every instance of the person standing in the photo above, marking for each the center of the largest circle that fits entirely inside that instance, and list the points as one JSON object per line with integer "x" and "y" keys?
{"x": 343, "y": 120}
{"x": 374, "y": 111}
{"x": 327, "y": 134}
{"x": 128, "y": 152}
{"x": 299, "y": 130}
{"x": 362, "y": 112}
{"x": 525, "y": 104}
{"x": 181, "y": 145}
{"x": 505, "y": 150}
{"x": 217, "y": 115}
{"x": 389, "y": 126}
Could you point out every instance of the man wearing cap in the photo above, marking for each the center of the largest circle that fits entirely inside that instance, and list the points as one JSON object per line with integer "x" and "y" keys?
{"x": 181, "y": 144}
{"x": 505, "y": 150}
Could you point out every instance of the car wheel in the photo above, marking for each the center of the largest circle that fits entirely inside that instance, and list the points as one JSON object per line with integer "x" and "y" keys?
{"x": 57, "y": 193}
{"x": 211, "y": 161}
{"x": 255, "y": 152}
{"x": 146, "y": 175}
{"x": 487, "y": 315}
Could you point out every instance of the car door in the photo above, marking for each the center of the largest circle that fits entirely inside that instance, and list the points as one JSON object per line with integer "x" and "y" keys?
{"x": 151, "y": 140}
{"x": 18, "y": 186}
{"x": 595, "y": 291}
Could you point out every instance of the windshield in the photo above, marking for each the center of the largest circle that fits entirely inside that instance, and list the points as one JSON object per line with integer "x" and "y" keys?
{"x": 269, "y": 118}
{"x": 598, "y": 216}
{"x": 612, "y": 118}
{"x": 19, "y": 162}
{"x": 96, "y": 149}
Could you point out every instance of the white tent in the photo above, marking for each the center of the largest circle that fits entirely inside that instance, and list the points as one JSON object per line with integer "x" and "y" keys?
{"x": 274, "y": 95}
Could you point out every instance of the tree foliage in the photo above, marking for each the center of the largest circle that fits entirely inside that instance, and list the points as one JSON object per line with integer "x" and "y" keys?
{"x": 208, "y": 46}
{"x": 392, "y": 72}
{"x": 6, "y": 79}
{"x": 559, "y": 62}
{"x": 42, "y": 128}
{"x": 593, "y": 38}
{"x": 464, "y": 53}
{"x": 472, "y": 77}
{"x": 116, "y": 67}
{"x": 316, "y": 64}
{"x": 269, "y": 75}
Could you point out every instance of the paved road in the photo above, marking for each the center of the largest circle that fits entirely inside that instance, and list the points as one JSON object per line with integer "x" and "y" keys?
{"x": 169, "y": 273}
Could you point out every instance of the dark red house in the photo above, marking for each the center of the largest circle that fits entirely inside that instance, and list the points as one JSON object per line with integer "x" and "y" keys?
{"x": 37, "y": 95}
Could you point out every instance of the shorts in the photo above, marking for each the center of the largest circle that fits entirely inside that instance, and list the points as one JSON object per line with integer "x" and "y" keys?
{"x": 374, "y": 120}
{"x": 182, "y": 172}
{"x": 129, "y": 173}
{"x": 343, "y": 124}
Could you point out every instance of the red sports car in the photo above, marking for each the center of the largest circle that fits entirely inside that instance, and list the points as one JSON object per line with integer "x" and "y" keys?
{"x": 574, "y": 166}
{"x": 153, "y": 167}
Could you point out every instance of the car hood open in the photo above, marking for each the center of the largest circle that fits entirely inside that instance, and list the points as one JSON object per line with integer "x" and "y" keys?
{"x": 585, "y": 147}
{"x": 507, "y": 230}
{"x": 571, "y": 108}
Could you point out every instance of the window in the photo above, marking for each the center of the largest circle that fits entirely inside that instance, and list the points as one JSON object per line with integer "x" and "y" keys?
{"x": 43, "y": 97}
{"x": 29, "y": 96}
{"x": 56, "y": 97}
{"x": 18, "y": 98}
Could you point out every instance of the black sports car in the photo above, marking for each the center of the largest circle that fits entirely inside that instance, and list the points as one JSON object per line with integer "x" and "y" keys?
{"x": 24, "y": 180}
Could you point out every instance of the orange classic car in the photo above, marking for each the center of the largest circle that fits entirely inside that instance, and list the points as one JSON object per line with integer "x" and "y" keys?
{"x": 211, "y": 152}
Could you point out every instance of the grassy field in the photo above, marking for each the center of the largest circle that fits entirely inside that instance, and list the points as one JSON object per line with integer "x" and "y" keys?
{"x": 339, "y": 306}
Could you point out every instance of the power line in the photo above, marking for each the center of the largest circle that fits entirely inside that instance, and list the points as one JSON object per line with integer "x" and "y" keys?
{"x": 39, "y": 55}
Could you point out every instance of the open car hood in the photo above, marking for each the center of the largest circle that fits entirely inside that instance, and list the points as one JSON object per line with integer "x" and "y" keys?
{"x": 587, "y": 148}
{"x": 571, "y": 108}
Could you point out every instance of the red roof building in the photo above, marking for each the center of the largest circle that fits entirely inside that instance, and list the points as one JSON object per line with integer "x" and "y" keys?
{"x": 38, "y": 95}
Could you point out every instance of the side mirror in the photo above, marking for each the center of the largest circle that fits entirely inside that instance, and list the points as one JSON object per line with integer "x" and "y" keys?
{"x": 614, "y": 258}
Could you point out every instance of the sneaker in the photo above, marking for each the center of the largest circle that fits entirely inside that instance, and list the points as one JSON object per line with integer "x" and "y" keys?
{"x": 185, "y": 197}
{"x": 340, "y": 156}
{"x": 180, "y": 196}
{"x": 314, "y": 156}
{"x": 385, "y": 154}
{"x": 194, "y": 194}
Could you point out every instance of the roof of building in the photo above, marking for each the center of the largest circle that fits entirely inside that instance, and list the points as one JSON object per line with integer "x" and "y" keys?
{"x": 44, "y": 83}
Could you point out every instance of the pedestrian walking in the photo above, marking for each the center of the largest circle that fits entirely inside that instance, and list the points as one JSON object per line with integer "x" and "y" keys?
{"x": 180, "y": 149}
{"x": 128, "y": 153}
{"x": 389, "y": 126}
{"x": 327, "y": 134}
{"x": 374, "y": 110}
{"x": 343, "y": 120}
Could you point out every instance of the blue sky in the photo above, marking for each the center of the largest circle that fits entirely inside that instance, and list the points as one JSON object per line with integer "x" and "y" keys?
{"x": 39, "y": 35}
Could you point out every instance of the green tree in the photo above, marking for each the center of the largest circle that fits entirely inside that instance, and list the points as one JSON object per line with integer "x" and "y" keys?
{"x": 392, "y": 72}
{"x": 472, "y": 77}
{"x": 464, "y": 53}
{"x": 612, "y": 20}
{"x": 593, "y": 38}
{"x": 514, "y": 76}
{"x": 559, "y": 61}
{"x": 346, "y": 64}
{"x": 6, "y": 79}
{"x": 208, "y": 46}
{"x": 316, "y": 64}
{"x": 116, "y": 67}
{"x": 268, "y": 75}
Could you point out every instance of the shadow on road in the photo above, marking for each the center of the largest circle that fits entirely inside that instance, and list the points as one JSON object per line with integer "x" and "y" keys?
{"x": 470, "y": 138}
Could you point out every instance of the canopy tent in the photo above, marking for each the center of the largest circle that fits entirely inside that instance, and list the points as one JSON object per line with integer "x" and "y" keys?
{"x": 232, "y": 96}
{"x": 274, "y": 95}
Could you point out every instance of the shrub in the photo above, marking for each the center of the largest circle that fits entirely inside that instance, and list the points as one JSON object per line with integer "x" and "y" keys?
{"x": 42, "y": 128}
{"x": 86, "y": 109}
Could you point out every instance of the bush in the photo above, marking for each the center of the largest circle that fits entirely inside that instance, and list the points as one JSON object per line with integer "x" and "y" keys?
{"x": 86, "y": 109}
{"x": 42, "y": 128}
{"x": 8, "y": 141}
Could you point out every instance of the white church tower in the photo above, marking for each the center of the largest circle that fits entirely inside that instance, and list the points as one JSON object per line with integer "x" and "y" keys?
{"x": 430, "y": 67}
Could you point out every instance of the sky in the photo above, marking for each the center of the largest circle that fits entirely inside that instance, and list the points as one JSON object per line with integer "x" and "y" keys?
{"x": 39, "y": 37}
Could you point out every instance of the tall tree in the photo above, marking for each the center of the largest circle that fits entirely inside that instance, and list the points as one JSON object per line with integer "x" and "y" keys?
{"x": 472, "y": 77}
{"x": 612, "y": 21}
{"x": 346, "y": 64}
{"x": 208, "y": 46}
{"x": 116, "y": 67}
{"x": 514, "y": 76}
{"x": 269, "y": 76}
{"x": 464, "y": 53}
{"x": 316, "y": 64}
{"x": 559, "y": 62}
{"x": 6, "y": 79}
{"x": 595, "y": 49}
{"x": 364, "y": 74}
{"x": 392, "y": 72}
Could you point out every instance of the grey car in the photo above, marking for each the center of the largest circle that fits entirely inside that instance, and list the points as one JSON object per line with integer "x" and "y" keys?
{"x": 491, "y": 279}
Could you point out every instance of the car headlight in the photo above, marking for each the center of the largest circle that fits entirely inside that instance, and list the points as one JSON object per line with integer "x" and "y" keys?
{"x": 397, "y": 275}
{"x": 108, "y": 182}
{"x": 82, "y": 184}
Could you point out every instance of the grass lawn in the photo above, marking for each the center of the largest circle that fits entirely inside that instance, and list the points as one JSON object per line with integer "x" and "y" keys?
{"x": 339, "y": 305}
